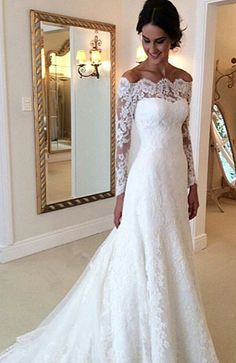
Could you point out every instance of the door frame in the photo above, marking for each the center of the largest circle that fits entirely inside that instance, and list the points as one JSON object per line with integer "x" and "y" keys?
{"x": 6, "y": 210}
{"x": 201, "y": 103}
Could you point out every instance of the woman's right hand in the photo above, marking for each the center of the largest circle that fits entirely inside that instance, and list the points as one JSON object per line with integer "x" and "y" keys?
{"x": 118, "y": 209}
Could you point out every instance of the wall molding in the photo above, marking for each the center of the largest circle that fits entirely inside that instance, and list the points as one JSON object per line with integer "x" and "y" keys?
{"x": 6, "y": 215}
{"x": 70, "y": 234}
{"x": 200, "y": 242}
{"x": 56, "y": 238}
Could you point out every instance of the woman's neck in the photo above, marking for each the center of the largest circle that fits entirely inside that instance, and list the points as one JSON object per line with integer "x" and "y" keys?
{"x": 162, "y": 69}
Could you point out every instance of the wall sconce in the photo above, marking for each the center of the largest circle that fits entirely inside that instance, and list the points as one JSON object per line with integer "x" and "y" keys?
{"x": 140, "y": 55}
{"x": 95, "y": 59}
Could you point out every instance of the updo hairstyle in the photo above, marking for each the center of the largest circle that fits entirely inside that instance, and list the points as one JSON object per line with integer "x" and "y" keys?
{"x": 163, "y": 14}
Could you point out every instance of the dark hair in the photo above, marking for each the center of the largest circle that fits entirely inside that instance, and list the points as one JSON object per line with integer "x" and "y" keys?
{"x": 163, "y": 14}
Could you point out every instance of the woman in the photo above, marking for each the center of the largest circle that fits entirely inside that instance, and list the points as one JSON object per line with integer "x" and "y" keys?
{"x": 138, "y": 301}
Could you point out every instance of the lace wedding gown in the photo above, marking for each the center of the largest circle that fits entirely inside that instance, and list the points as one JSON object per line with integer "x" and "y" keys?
{"x": 138, "y": 300}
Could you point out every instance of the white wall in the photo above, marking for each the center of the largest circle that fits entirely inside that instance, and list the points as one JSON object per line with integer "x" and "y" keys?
{"x": 6, "y": 213}
{"x": 187, "y": 55}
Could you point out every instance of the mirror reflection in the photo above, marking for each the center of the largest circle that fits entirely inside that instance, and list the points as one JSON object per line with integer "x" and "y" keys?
{"x": 56, "y": 81}
{"x": 223, "y": 145}
{"x": 75, "y": 110}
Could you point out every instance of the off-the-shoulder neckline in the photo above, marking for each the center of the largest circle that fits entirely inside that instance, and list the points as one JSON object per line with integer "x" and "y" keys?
{"x": 164, "y": 79}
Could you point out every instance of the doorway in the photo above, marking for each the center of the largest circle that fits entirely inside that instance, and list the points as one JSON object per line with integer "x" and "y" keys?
{"x": 220, "y": 257}
{"x": 203, "y": 90}
{"x": 221, "y": 162}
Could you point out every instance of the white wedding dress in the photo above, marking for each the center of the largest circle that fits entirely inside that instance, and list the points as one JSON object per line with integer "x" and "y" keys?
{"x": 138, "y": 300}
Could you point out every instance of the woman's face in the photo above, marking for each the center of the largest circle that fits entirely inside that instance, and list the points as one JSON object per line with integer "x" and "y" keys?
{"x": 156, "y": 43}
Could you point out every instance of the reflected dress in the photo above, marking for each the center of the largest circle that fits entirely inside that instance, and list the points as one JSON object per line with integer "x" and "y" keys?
{"x": 138, "y": 300}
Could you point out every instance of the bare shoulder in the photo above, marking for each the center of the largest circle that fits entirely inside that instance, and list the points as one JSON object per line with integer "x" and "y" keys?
{"x": 132, "y": 75}
{"x": 180, "y": 73}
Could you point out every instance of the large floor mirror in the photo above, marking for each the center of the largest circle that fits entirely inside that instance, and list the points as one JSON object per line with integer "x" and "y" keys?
{"x": 222, "y": 141}
{"x": 74, "y": 104}
{"x": 223, "y": 145}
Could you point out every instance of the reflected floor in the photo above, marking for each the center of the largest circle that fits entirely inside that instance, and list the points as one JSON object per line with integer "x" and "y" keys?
{"x": 60, "y": 145}
{"x": 59, "y": 181}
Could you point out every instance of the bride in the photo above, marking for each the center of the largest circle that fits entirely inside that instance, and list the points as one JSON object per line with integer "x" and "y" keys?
{"x": 138, "y": 300}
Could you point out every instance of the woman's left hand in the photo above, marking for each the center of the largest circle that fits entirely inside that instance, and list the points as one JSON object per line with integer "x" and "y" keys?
{"x": 193, "y": 203}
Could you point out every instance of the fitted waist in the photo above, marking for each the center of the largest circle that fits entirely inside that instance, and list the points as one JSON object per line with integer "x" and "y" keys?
{"x": 152, "y": 145}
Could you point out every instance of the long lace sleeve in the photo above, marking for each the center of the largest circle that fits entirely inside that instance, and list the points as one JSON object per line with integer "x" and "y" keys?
{"x": 124, "y": 119}
{"x": 188, "y": 145}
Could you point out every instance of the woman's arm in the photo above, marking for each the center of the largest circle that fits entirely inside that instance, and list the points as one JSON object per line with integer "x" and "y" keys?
{"x": 124, "y": 120}
{"x": 193, "y": 203}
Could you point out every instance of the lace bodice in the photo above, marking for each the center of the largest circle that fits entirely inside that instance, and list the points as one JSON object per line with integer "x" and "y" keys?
{"x": 129, "y": 95}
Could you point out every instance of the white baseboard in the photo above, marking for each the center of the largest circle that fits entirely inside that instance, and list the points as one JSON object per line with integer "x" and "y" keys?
{"x": 200, "y": 242}
{"x": 69, "y": 234}
{"x": 43, "y": 242}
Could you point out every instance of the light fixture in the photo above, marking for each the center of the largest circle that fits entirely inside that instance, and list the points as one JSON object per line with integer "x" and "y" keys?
{"x": 95, "y": 59}
{"x": 140, "y": 55}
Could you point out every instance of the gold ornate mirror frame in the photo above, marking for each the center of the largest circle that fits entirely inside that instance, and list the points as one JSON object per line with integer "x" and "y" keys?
{"x": 40, "y": 139}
